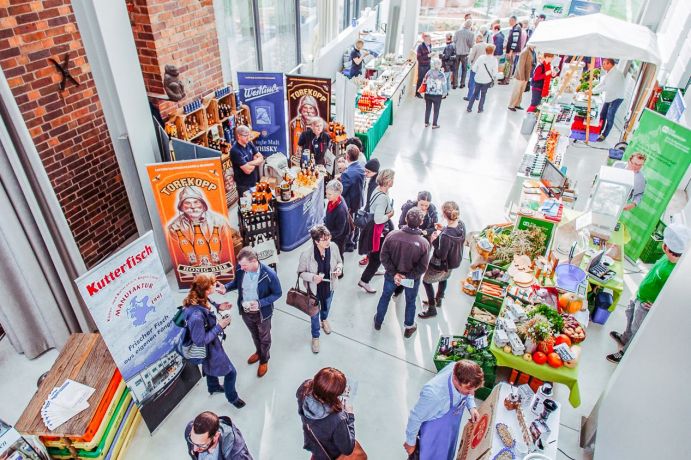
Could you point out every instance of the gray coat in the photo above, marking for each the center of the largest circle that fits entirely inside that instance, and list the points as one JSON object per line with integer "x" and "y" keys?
{"x": 464, "y": 40}
{"x": 307, "y": 267}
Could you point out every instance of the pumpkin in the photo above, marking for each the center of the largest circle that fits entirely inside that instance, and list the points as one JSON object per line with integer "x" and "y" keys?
{"x": 570, "y": 302}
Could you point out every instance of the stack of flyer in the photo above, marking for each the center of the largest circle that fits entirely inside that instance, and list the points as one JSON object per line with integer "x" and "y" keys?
{"x": 64, "y": 402}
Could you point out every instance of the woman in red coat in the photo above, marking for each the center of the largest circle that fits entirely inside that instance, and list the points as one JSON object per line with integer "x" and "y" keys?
{"x": 540, "y": 81}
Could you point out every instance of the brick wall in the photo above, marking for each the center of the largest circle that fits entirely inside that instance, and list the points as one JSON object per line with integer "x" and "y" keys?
{"x": 182, "y": 33}
{"x": 68, "y": 127}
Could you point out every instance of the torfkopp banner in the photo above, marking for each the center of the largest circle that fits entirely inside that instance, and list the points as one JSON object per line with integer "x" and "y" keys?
{"x": 131, "y": 302}
{"x": 264, "y": 94}
{"x": 667, "y": 146}
{"x": 192, "y": 205}
{"x": 307, "y": 97}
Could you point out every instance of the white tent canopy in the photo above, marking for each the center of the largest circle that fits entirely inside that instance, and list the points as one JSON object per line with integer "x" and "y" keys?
{"x": 597, "y": 35}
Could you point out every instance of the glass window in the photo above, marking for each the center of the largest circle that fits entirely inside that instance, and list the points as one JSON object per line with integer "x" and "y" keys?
{"x": 308, "y": 28}
{"x": 239, "y": 31}
{"x": 342, "y": 12}
{"x": 277, "y": 25}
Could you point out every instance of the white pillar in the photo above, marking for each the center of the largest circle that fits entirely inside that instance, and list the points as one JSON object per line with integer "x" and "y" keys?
{"x": 107, "y": 35}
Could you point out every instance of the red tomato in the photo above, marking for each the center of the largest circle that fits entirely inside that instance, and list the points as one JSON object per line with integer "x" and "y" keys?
{"x": 563, "y": 338}
{"x": 539, "y": 357}
{"x": 554, "y": 360}
{"x": 546, "y": 346}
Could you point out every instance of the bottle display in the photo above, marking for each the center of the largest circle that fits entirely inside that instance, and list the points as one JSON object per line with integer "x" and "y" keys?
{"x": 186, "y": 247}
{"x": 201, "y": 246}
{"x": 215, "y": 246}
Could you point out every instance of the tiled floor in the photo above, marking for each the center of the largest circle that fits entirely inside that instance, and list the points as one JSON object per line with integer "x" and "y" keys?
{"x": 472, "y": 159}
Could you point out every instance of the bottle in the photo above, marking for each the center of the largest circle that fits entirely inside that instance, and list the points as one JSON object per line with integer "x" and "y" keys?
{"x": 545, "y": 392}
{"x": 215, "y": 246}
{"x": 186, "y": 247}
{"x": 201, "y": 246}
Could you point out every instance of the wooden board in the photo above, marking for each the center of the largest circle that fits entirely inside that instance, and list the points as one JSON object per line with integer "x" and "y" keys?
{"x": 84, "y": 359}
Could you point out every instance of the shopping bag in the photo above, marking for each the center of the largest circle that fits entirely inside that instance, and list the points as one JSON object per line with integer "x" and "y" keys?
{"x": 423, "y": 88}
{"x": 529, "y": 123}
{"x": 266, "y": 250}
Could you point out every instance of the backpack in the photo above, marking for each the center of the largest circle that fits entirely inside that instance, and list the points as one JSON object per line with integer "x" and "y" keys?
{"x": 185, "y": 347}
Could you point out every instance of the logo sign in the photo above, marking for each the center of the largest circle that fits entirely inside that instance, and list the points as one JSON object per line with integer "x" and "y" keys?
{"x": 307, "y": 97}
{"x": 264, "y": 94}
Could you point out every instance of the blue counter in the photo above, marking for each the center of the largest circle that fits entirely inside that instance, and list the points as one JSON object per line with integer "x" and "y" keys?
{"x": 295, "y": 218}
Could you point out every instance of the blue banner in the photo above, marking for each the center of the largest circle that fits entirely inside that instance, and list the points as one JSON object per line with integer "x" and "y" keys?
{"x": 264, "y": 93}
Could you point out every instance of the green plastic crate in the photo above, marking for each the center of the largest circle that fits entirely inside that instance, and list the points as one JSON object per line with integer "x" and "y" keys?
{"x": 547, "y": 227}
{"x": 489, "y": 267}
{"x": 662, "y": 106}
{"x": 488, "y": 302}
{"x": 668, "y": 93}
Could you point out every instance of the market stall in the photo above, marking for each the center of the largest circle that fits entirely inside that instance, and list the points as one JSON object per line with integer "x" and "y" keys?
{"x": 370, "y": 126}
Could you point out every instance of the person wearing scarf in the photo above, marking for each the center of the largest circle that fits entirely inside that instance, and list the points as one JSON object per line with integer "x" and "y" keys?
{"x": 540, "y": 82}
{"x": 337, "y": 220}
{"x": 319, "y": 267}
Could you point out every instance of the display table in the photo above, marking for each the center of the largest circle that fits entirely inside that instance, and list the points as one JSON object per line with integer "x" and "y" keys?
{"x": 564, "y": 375}
{"x": 295, "y": 218}
{"x": 371, "y": 138}
{"x": 616, "y": 283}
{"x": 84, "y": 359}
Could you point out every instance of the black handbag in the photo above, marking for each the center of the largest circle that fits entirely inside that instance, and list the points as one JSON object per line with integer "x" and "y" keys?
{"x": 491, "y": 84}
{"x": 304, "y": 301}
{"x": 363, "y": 217}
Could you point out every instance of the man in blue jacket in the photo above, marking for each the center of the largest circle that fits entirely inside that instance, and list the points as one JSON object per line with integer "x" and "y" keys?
{"x": 211, "y": 436}
{"x": 353, "y": 180}
{"x": 258, "y": 288}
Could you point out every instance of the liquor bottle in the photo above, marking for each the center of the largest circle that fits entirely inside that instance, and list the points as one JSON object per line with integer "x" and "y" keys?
{"x": 215, "y": 246}
{"x": 201, "y": 246}
{"x": 186, "y": 247}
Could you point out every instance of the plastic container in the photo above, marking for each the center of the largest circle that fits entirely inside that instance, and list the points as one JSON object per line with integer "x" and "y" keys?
{"x": 600, "y": 315}
{"x": 569, "y": 277}
{"x": 529, "y": 123}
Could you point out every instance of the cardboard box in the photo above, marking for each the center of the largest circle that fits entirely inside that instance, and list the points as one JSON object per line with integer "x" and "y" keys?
{"x": 476, "y": 441}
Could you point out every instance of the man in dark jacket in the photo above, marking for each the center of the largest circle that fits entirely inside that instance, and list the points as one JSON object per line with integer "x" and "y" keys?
{"x": 353, "y": 180}
{"x": 448, "y": 60}
{"x": 258, "y": 288}
{"x": 424, "y": 203}
{"x": 423, "y": 60}
{"x": 404, "y": 255}
{"x": 211, "y": 436}
{"x": 513, "y": 48}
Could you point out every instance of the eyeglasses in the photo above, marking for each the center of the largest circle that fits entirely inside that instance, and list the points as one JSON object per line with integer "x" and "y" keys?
{"x": 199, "y": 446}
{"x": 243, "y": 135}
{"x": 326, "y": 238}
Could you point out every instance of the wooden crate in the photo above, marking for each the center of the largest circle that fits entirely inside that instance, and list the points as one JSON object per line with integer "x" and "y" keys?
{"x": 199, "y": 116}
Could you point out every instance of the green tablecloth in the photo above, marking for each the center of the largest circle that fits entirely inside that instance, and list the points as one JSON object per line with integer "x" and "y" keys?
{"x": 371, "y": 138}
{"x": 565, "y": 375}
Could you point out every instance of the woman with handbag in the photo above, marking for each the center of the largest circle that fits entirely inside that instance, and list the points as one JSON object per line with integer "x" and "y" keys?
{"x": 328, "y": 423}
{"x": 337, "y": 219}
{"x": 319, "y": 267}
{"x": 380, "y": 207}
{"x": 486, "y": 68}
{"x": 435, "y": 89}
{"x": 448, "y": 253}
{"x": 203, "y": 330}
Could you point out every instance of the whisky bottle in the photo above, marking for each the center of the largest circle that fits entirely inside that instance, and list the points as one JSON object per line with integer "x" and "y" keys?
{"x": 215, "y": 246}
{"x": 201, "y": 246}
{"x": 186, "y": 247}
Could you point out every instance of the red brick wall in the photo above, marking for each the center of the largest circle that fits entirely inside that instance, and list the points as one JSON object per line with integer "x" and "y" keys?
{"x": 68, "y": 127}
{"x": 182, "y": 33}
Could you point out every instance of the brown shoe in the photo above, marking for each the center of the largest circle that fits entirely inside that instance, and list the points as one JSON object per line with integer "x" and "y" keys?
{"x": 262, "y": 370}
{"x": 253, "y": 359}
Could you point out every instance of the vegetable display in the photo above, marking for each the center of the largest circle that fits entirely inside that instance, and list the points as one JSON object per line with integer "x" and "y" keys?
{"x": 554, "y": 318}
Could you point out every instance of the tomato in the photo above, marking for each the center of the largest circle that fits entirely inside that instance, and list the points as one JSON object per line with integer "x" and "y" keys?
{"x": 563, "y": 338}
{"x": 554, "y": 360}
{"x": 539, "y": 357}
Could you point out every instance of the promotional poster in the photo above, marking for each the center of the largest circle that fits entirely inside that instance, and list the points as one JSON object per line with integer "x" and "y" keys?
{"x": 307, "y": 97}
{"x": 667, "y": 146}
{"x": 130, "y": 300}
{"x": 264, "y": 94}
{"x": 191, "y": 202}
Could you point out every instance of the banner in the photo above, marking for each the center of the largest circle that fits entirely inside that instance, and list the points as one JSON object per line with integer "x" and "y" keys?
{"x": 264, "y": 93}
{"x": 307, "y": 97}
{"x": 192, "y": 205}
{"x": 131, "y": 302}
{"x": 667, "y": 146}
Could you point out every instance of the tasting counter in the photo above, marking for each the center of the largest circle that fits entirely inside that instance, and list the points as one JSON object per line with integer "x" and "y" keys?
{"x": 371, "y": 138}
{"x": 296, "y": 217}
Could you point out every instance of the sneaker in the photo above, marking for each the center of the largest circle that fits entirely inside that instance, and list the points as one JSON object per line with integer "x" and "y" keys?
{"x": 315, "y": 346}
{"x": 617, "y": 337}
{"x": 380, "y": 272}
{"x": 429, "y": 313}
{"x": 239, "y": 403}
{"x": 253, "y": 358}
{"x": 364, "y": 261}
{"x": 426, "y": 125}
{"x": 435, "y": 126}
{"x": 466, "y": 98}
{"x": 366, "y": 287}
{"x": 468, "y": 110}
{"x": 377, "y": 327}
{"x": 409, "y": 331}
{"x": 326, "y": 326}
{"x": 615, "y": 357}
{"x": 262, "y": 370}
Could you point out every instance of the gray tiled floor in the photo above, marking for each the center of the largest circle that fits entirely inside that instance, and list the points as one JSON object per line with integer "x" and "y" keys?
{"x": 472, "y": 159}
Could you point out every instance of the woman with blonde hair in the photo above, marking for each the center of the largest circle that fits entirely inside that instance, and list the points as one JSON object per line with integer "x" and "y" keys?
{"x": 203, "y": 330}
{"x": 448, "y": 252}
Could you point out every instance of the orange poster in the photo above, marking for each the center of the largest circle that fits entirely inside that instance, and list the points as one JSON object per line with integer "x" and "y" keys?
{"x": 192, "y": 205}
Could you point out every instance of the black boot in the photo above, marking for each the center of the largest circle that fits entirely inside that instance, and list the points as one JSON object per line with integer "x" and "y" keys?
{"x": 429, "y": 313}
{"x": 437, "y": 301}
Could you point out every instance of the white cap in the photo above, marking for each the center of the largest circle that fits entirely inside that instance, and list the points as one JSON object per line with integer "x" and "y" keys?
{"x": 677, "y": 237}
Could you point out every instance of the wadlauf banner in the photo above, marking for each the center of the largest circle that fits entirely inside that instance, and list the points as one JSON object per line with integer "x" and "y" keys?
{"x": 264, "y": 94}
{"x": 131, "y": 302}
{"x": 307, "y": 97}
{"x": 192, "y": 205}
{"x": 667, "y": 146}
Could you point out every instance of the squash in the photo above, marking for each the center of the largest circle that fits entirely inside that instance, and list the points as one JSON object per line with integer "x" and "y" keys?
{"x": 570, "y": 302}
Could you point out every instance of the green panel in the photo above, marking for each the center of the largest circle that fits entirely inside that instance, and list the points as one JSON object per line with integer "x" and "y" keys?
{"x": 668, "y": 147}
